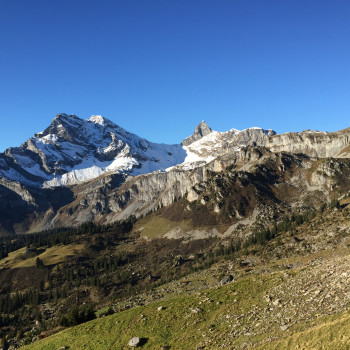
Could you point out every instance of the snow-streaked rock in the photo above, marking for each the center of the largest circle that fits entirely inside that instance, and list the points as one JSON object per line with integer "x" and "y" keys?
{"x": 72, "y": 150}
{"x": 117, "y": 174}
{"x": 202, "y": 129}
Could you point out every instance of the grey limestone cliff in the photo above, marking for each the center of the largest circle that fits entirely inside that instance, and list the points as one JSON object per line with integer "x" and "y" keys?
{"x": 254, "y": 155}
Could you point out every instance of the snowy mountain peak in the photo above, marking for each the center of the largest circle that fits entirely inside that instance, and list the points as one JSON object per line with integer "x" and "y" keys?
{"x": 72, "y": 150}
{"x": 98, "y": 119}
{"x": 201, "y": 130}
{"x": 63, "y": 117}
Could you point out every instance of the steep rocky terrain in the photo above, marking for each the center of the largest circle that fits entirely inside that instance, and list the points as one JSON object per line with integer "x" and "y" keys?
{"x": 92, "y": 170}
{"x": 72, "y": 150}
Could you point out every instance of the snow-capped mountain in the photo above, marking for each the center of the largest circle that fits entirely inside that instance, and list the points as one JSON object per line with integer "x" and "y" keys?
{"x": 206, "y": 144}
{"x": 72, "y": 150}
{"x": 93, "y": 170}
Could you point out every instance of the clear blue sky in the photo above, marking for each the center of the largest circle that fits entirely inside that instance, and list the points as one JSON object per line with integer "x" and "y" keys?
{"x": 157, "y": 68}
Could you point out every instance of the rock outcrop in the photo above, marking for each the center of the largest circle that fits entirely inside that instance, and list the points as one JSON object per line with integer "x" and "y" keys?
{"x": 201, "y": 130}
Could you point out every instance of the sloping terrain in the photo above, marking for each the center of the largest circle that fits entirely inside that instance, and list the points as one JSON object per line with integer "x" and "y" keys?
{"x": 290, "y": 292}
{"x": 115, "y": 237}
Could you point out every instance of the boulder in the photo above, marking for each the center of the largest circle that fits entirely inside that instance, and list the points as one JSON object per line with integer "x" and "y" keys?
{"x": 225, "y": 280}
{"x": 134, "y": 342}
{"x": 178, "y": 261}
{"x": 196, "y": 310}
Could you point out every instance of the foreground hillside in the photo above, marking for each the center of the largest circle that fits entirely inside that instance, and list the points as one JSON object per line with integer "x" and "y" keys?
{"x": 290, "y": 292}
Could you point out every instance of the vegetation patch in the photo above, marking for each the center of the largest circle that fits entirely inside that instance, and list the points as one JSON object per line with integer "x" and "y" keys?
{"x": 156, "y": 226}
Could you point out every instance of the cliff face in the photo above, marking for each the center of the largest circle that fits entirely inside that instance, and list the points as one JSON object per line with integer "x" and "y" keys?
{"x": 313, "y": 144}
{"x": 253, "y": 180}
{"x": 254, "y": 170}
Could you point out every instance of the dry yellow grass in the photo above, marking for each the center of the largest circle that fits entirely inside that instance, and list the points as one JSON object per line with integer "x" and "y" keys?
{"x": 8, "y": 262}
{"x": 156, "y": 226}
{"x": 51, "y": 256}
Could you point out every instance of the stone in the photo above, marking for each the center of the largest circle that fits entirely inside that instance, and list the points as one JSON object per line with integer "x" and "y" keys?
{"x": 276, "y": 302}
{"x": 225, "y": 280}
{"x": 268, "y": 298}
{"x": 134, "y": 342}
{"x": 196, "y": 310}
{"x": 178, "y": 261}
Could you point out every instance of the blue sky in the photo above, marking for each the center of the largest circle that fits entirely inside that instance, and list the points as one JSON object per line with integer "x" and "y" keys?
{"x": 157, "y": 68}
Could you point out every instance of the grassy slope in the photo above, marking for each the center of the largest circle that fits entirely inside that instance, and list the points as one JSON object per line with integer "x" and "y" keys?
{"x": 9, "y": 261}
{"x": 176, "y": 325}
{"x": 332, "y": 334}
{"x": 50, "y": 256}
{"x": 156, "y": 226}
{"x": 226, "y": 317}
{"x": 237, "y": 315}
{"x": 179, "y": 327}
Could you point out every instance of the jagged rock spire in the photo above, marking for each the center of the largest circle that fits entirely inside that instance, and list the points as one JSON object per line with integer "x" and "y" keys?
{"x": 201, "y": 130}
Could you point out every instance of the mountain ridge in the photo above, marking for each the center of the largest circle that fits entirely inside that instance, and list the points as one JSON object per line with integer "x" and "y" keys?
{"x": 104, "y": 173}
{"x": 72, "y": 150}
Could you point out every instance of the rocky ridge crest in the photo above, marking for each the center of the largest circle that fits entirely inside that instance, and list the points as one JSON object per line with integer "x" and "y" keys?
{"x": 308, "y": 166}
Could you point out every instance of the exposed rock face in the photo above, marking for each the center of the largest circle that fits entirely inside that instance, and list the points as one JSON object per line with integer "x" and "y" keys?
{"x": 257, "y": 180}
{"x": 313, "y": 144}
{"x": 136, "y": 196}
{"x": 72, "y": 150}
{"x": 202, "y": 129}
{"x": 253, "y": 167}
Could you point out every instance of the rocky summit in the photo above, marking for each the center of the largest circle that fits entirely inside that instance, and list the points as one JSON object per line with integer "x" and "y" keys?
{"x": 78, "y": 170}
{"x": 201, "y": 130}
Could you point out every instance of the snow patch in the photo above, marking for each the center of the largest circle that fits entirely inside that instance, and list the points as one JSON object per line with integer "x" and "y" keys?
{"x": 97, "y": 119}
{"x": 49, "y": 139}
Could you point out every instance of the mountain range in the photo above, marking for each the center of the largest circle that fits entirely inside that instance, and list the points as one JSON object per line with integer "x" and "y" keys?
{"x": 93, "y": 170}
{"x": 242, "y": 238}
